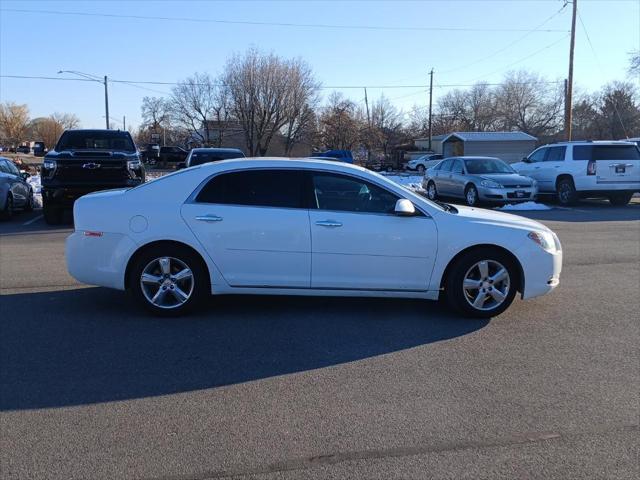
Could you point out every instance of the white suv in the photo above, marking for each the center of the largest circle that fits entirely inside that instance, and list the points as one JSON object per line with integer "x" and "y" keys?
{"x": 421, "y": 164}
{"x": 572, "y": 170}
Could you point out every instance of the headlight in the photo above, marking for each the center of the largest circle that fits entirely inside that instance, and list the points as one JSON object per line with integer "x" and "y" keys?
{"x": 548, "y": 241}
{"x": 134, "y": 164}
{"x": 49, "y": 167}
{"x": 490, "y": 184}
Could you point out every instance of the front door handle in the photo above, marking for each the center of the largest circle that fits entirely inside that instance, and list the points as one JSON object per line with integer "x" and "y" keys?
{"x": 328, "y": 223}
{"x": 209, "y": 218}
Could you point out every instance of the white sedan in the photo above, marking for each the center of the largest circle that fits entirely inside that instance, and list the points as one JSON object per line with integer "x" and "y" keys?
{"x": 303, "y": 227}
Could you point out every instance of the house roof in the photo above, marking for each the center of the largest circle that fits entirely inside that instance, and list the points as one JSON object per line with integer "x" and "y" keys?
{"x": 433, "y": 138}
{"x": 490, "y": 136}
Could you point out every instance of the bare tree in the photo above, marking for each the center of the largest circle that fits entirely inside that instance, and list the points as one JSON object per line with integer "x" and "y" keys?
{"x": 340, "y": 123}
{"x": 194, "y": 103}
{"x": 14, "y": 122}
{"x": 618, "y": 111}
{"x": 634, "y": 63}
{"x": 155, "y": 112}
{"x": 526, "y": 102}
{"x": 48, "y": 129}
{"x": 269, "y": 95}
{"x": 386, "y": 125}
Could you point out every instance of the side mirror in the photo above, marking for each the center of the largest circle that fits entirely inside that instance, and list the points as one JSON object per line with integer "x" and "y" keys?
{"x": 526, "y": 160}
{"x": 404, "y": 208}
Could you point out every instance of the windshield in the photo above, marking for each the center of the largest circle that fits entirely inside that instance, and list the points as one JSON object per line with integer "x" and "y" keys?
{"x": 198, "y": 158}
{"x": 96, "y": 140}
{"x": 479, "y": 166}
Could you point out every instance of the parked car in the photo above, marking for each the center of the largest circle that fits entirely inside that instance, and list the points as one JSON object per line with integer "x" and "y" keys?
{"x": 39, "y": 149}
{"x": 84, "y": 161}
{"x": 151, "y": 153}
{"x": 23, "y": 149}
{"x": 198, "y": 156}
{"x": 573, "y": 170}
{"x": 340, "y": 155}
{"x": 478, "y": 179}
{"x": 303, "y": 227}
{"x": 15, "y": 192}
{"x": 421, "y": 164}
{"x": 173, "y": 154}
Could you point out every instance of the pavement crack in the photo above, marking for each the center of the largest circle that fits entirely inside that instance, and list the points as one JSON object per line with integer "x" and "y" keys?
{"x": 304, "y": 463}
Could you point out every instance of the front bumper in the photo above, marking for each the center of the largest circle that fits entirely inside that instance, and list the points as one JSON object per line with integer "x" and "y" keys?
{"x": 541, "y": 270}
{"x": 67, "y": 195}
{"x": 507, "y": 194}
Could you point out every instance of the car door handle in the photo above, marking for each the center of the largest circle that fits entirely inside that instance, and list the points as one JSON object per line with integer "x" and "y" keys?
{"x": 209, "y": 218}
{"x": 328, "y": 223}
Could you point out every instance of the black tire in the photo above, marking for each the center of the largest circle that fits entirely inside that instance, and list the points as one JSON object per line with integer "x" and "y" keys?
{"x": 620, "y": 199}
{"x": 471, "y": 195}
{"x": 52, "y": 215}
{"x": 389, "y": 168}
{"x": 30, "y": 202}
{"x": 459, "y": 299}
{"x": 431, "y": 187}
{"x": 8, "y": 211}
{"x": 566, "y": 192}
{"x": 179, "y": 256}
{"x": 421, "y": 169}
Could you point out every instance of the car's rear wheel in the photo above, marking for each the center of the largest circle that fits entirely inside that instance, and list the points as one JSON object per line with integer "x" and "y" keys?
{"x": 471, "y": 196}
{"x": 620, "y": 199}
{"x": 482, "y": 283}
{"x": 432, "y": 191}
{"x": 8, "y": 211}
{"x": 566, "y": 191}
{"x": 168, "y": 280}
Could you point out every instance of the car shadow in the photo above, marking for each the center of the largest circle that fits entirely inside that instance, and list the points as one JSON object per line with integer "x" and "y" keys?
{"x": 90, "y": 345}
{"x": 586, "y": 211}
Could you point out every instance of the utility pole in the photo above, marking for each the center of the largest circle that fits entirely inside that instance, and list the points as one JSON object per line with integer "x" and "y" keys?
{"x": 124, "y": 122}
{"x": 366, "y": 102}
{"x": 430, "y": 101}
{"x": 106, "y": 102}
{"x": 568, "y": 110}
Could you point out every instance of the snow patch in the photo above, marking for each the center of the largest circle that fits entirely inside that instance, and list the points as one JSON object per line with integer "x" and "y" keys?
{"x": 414, "y": 182}
{"x": 525, "y": 206}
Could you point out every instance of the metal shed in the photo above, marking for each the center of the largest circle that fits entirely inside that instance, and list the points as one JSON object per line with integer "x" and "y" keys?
{"x": 508, "y": 146}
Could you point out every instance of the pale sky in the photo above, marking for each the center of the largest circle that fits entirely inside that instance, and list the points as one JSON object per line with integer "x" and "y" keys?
{"x": 166, "y": 41}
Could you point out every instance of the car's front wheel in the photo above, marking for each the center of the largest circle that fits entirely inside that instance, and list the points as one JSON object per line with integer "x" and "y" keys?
{"x": 620, "y": 199}
{"x": 7, "y": 212}
{"x": 471, "y": 195}
{"x": 432, "y": 192}
{"x": 168, "y": 280}
{"x": 482, "y": 283}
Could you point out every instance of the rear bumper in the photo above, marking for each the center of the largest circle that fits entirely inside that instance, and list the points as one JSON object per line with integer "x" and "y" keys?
{"x": 100, "y": 260}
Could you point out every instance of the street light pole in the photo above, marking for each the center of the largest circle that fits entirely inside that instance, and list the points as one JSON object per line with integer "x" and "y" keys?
{"x": 106, "y": 101}
{"x": 94, "y": 78}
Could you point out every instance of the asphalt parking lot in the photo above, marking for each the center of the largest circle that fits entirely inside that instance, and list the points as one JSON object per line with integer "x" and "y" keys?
{"x": 289, "y": 388}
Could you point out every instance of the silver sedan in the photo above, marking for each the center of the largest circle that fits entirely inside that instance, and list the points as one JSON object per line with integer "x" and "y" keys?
{"x": 478, "y": 179}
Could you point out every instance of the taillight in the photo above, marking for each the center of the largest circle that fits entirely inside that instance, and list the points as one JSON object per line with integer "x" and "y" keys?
{"x": 591, "y": 167}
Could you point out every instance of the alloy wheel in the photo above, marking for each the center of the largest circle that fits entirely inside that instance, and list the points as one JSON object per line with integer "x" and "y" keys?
{"x": 486, "y": 285}
{"x": 471, "y": 196}
{"x": 431, "y": 191}
{"x": 167, "y": 282}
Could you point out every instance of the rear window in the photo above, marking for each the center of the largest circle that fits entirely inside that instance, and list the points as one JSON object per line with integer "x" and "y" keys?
{"x": 606, "y": 152}
{"x": 96, "y": 140}
{"x": 261, "y": 188}
{"x": 198, "y": 158}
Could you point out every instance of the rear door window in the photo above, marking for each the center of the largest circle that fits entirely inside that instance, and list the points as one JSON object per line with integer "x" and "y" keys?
{"x": 260, "y": 188}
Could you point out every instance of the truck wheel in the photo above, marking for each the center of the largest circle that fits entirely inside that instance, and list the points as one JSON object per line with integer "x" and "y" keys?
{"x": 566, "y": 190}
{"x": 52, "y": 215}
{"x": 620, "y": 199}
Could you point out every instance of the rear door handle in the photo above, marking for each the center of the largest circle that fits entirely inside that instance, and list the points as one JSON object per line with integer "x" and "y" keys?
{"x": 209, "y": 218}
{"x": 328, "y": 223}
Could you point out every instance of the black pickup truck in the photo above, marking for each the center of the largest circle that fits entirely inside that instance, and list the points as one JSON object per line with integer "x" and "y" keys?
{"x": 85, "y": 161}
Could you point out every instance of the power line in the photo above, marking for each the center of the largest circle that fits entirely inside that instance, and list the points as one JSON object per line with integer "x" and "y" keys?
{"x": 137, "y": 83}
{"x": 518, "y": 40}
{"x": 274, "y": 24}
